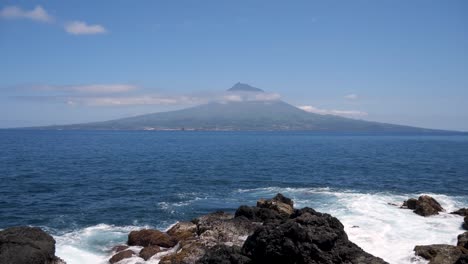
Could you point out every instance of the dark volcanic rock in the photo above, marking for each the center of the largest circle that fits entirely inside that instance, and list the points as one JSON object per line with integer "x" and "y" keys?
{"x": 463, "y": 240}
{"x": 462, "y": 212}
{"x": 410, "y": 203}
{"x": 224, "y": 255}
{"x": 441, "y": 254}
{"x": 149, "y": 251}
{"x": 465, "y": 224}
{"x": 284, "y": 206}
{"x": 150, "y": 237}
{"x": 424, "y": 205}
{"x": 119, "y": 248}
{"x": 121, "y": 255}
{"x": 27, "y": 245}
{"x": 462, "y": 260}
{"x": 310, "y": 237}
{"x": 256, "y": 214}
{"x": 427, "y": 205}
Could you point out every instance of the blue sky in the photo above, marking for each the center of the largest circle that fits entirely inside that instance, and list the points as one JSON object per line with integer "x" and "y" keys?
{"x": 402, "y": 62}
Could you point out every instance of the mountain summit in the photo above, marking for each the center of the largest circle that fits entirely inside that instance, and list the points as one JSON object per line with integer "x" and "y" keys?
{"x": 243, "y": 87}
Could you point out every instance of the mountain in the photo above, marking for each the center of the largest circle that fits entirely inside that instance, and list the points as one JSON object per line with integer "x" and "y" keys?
{"x": 246, "y": 114}
{"x": 242, "y": 87}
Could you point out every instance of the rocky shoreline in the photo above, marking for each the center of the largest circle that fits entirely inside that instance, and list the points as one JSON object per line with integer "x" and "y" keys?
{"x": 273, "y": 231}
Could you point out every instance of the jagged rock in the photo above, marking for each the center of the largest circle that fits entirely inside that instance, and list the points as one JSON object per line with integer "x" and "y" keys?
{"x": 189, "y": 253}
{"x": 119, "y": 248}
{"x": 224, "y": 255}
{"x": 121, "y": 255}
{"x": 256, "y": 214}
{"x": 440, "y": 254}
{"x": 424, "y": 206}
{"x": 462, "y": 260}
{"x": 309, "y": 237}
{"x": 465, "y": 224}
{"x": 463, "y": 240}
{"x": 427, "y": 206}
{"x": 150, "y": 237}
{"x": 214, "y": 229}
{"x": 183, "y": 231}
{"x": 149, "y": 251}
{"x": 284, "y": 206}
{"x": 410, "y": 203}
{"x": 223, "y": 228}
{"x": 27, "y": 245}
{"x": 462, "y": 212}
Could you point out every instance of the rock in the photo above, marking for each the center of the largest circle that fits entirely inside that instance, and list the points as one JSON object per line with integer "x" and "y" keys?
{"x": 424, "y": 205}
{"x": 463, "y": 240}
{"x": 119, "y": 248}
{"x": 465, "y": 224}
{"x": 121, "y": 255}
{"x": 256, "y": 214}
{"x": 410, "y": 203}
{"x": 224, "y": 255}
{"x": 149, "y": 251}
{"x": 217, "y": 229}
{"x": 284, "y": 206}
{"x": 309, "y": 237}
{"x": 212, "y": 230}
{"x": 189, "y": 253}
{"x": 440, "y": 254}
{"x": 27, "y": 245}
{"x": 463, "y": 259}
{"x": 427, "y": 206}
{"x": 462, "y": 212}
{"x": 183, "y": 231}
{"x": 150, "y": 237}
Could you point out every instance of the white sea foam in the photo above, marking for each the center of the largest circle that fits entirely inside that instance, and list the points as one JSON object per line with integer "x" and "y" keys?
{"x": 378, "y": 227}
{"x": 375, "y": 225}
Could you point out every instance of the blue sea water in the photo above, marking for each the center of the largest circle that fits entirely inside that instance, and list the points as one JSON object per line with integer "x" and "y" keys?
{"x": 89, "y": 188}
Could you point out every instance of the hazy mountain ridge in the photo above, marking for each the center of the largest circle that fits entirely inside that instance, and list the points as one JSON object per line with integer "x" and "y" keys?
{"x": 249, "y": 115}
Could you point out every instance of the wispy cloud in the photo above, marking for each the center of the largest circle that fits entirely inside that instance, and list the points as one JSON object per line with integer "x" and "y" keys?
{"x": 345, "y": 113}
{"x": 40, "y": 14}
{"x": 82, "y": 28}
{"x": 351, "y": 96}
{"x": 87, "y": 89}
{"x": 36, "y": 14}
{"x": 131, "y": 95}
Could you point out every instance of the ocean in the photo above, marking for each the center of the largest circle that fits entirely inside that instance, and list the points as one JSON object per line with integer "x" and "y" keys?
{"x": 90, "y": 188}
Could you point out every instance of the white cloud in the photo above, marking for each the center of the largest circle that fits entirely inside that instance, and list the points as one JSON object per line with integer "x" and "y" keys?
{"x": 248, "y": 96}
{"x": 36, "y": 14}
{"x": 103, "y": 88}
{"x": 88, "y": 89}
{"x": 351, "y": 96}
{"x": 345, "y": 113}
{"x": 81, "y": 28}
{"x": 134, "y": 100}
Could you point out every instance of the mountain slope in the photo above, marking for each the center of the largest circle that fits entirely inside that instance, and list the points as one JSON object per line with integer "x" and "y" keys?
{"x": 246, "y": 115}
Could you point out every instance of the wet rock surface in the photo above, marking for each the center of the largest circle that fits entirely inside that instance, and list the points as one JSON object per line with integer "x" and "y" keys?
{"x": 121, "y": 255}
{"x": 425, "y": 205}
{"x": 442, "y": 254}
{"x": 462, "y": 240}
{"x": 461, "y": 211}
{"x": 27, "y": 245}
{"x": 150, "y": 237}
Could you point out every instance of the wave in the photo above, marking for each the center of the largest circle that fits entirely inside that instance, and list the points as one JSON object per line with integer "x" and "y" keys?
{"x": 375, "y": 223}
{"x": 370, "y": 220}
